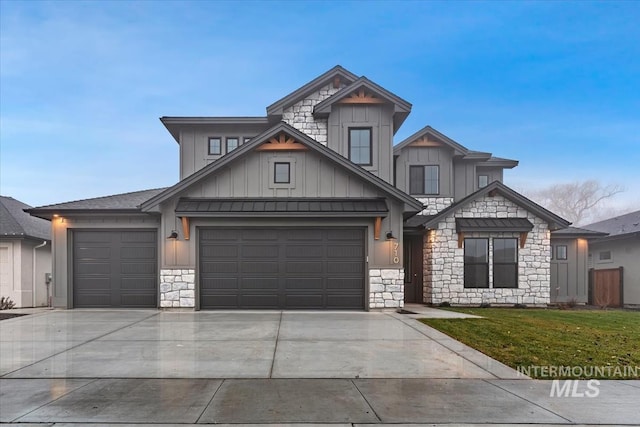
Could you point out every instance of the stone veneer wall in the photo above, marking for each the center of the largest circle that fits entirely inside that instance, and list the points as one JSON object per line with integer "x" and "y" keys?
{"x": 444, "y": 261}
{"x": 300, "y": 115}
{"x": 433, "y": 205}
{"x": 386, "y": 287}
{"x": 177, "y": 288}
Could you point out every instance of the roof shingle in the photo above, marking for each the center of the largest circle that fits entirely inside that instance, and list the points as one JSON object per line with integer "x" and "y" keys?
{"x": 15, "y": 222}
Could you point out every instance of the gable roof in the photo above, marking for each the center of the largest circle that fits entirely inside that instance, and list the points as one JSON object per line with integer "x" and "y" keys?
{"x": 619, "y": 225}
{"x": 15, "y": 222}
{"x": 498, "y": 162}
{"x": 402, "y": 108}
{"x": 116, "y": 203}
{"x": 412, "y": 204}
{"x": 276, "y": 109}
{"x": 555, "y": 222}
{"x": 174, "y": 124}
{"x": 458, "y": 149}
{"x": 576, "y": 232}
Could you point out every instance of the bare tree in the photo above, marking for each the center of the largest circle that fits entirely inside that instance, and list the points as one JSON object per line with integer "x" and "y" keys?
{"x": 576, "y": 201}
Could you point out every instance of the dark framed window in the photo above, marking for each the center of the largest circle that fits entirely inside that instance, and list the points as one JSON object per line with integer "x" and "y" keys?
{"x": 561, "y": 252}
{"x": 424, "y": 179}
{"x": 215, "y": 145}
{"x": 282, "y": 173}
{"x": 360, "y": 150}
{"x": 476, "y": 263}
{"x": 505, "y": 263}
{"x": 553, "y": 249}
{"x": 232, "y": 144}
{"x": 483, "y": 181}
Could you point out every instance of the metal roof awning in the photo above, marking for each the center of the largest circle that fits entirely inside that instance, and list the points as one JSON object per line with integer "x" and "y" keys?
{"x": 493, "y": 224}
{"x": 274, "y": 207}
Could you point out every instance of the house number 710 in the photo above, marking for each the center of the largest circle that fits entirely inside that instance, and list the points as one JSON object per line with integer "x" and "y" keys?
{"x": 396, "y": 259}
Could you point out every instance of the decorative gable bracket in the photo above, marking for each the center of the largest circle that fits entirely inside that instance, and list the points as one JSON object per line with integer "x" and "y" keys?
{"x": 361, "y": 97}
{"x": 282, "y": 142}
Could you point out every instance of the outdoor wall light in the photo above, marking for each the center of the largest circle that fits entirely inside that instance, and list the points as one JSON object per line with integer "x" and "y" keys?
{"x": 173, "y": 235}
{"x": 390, "y": 236}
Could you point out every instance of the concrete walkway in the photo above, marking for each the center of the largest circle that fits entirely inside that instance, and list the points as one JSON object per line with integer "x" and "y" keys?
{"x": 127, "y": 367}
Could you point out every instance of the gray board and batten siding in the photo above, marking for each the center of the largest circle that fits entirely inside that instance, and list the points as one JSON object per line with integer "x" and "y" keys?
{"x": 426, "y": 156}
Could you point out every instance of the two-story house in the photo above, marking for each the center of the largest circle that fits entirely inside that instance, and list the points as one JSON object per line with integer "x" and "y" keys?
{"x": 310, "y": 206}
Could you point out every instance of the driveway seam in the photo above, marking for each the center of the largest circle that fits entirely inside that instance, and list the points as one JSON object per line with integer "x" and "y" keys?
{"x": 527, "y": 400}
{"x": 443, "y": 345}
{"x": 366, "y": 400}
{"x": 275, "y": 347}
{"x": 79, "y": 345}
{"x": 54, "y": 400}
{"x": 210, "y": 400}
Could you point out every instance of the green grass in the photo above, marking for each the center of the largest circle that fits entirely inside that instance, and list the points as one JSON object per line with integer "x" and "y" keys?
{"x": 538, "y": 337}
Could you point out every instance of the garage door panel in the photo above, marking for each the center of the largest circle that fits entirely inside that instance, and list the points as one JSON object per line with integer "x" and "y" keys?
{"x": 115, "y": 268}
{"x": 282, "y": 268}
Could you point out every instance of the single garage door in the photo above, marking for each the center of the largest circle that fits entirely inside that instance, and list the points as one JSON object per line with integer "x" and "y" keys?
{"x": 282, "y": 268}
{"x": 115, "y": 268}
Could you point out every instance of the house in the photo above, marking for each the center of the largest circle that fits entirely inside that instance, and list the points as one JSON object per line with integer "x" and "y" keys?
{"x": 310, "y": 206}
{"x": 25, "y": 255}
{"x": 617, "y": 255}
{"x": 569, "y": 264}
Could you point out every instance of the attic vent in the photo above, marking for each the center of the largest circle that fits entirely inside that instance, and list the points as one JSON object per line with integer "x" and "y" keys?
{"x": 282, "y": 142}
{"x": 361, "y": 97}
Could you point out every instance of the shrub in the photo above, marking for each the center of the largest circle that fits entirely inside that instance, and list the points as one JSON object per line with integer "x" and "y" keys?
{"x": 444, "y": 304}
{"x": 485, "y": 305}
{"x": 6, "y": 303}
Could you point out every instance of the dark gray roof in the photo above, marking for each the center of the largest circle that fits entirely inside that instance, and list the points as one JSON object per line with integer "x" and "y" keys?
{"x": 15, "y": 222}
{"x": 115, "y": 203}
{"x": 498, "y": 162}
{"x": 322, "y": 80}
{"x": 417, "y": 221}
{"x": 554, "y": 221}
{"x": 174, "y": 124}
{"x": 457, "y": 148}
{"x": 411, "y": 205}
{"x": 274, "y": 206}
{"x": 576, "y": 232}
{"x": 493, "y": 224}
{"x": 619, "y": 225}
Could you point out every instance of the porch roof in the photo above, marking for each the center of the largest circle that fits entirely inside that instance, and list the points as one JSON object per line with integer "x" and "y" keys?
{"x": 493, "y": 224}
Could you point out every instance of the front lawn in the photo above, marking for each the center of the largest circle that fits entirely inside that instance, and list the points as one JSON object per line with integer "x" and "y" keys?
{"x": 584, "y": 340}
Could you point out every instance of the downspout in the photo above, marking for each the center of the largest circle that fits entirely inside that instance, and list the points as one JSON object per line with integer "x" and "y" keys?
{"x": 33, "y": 278}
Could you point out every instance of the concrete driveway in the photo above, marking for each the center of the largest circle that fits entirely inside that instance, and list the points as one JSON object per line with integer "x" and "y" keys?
{"x": 126, "y": 367}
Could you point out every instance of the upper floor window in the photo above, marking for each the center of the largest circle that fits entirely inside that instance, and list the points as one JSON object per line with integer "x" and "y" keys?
{"x": 483, "y": 181}
{"x": 476, "y": 263}
{"x": 246, "y": 139}
{"x": 282, "y": 173}
{"x": 215, "y": 146}
{"x": 505, "y": 263}
{"x": 360, "y": 150}
{"x": 232, "y": 144}
{"x": 424, "y": 179}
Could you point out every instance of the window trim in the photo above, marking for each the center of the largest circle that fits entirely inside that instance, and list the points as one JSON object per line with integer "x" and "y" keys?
{"x": 494, "y": 263}
{"x": 564, "y": 257}
{"x": 605, "y": 260}
{"x": 423, "y": 182}
{"x": 275, "y": 172}
{"x": 219, "y": 139}
{"x": 370, "y": 129}
{"x": 464, "y": 262}
{"x": 226, "y": 143}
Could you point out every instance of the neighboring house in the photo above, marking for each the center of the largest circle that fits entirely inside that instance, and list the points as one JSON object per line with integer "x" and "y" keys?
{"x": 25, "y": 254}
{"x": 310, "y": 206}
{"x": 620, "y": 248}
{"x": 570, "y": 265}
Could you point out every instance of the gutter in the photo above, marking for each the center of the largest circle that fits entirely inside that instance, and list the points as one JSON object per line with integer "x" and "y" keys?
{"x": 33, "y": 277}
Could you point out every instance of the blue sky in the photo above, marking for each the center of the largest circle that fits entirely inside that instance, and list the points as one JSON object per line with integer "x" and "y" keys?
{"x": 555, "y": 85}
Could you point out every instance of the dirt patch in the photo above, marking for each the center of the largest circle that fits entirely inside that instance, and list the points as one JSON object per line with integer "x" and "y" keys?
{"x": 5, "y": 316}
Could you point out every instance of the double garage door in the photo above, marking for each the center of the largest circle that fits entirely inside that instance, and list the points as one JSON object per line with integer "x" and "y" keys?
{"x": 115, "y": 268}
{"x": 282, "y": 268}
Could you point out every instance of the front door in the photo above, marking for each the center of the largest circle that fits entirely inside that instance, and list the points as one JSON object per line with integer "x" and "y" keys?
{"x": 413, "y": 269}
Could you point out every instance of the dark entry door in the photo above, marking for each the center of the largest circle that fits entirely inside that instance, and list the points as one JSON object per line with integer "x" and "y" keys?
{"x": 413, "y": 264}
{"x": 115, "y": 268}
{"x": 282, "y": 268}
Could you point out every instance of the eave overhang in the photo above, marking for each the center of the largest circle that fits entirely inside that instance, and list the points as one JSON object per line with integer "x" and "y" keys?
{"x": 174, "y": 124}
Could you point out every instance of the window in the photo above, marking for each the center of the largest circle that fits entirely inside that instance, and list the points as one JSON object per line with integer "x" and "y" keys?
{"x": 604, "y": 256}
{"x": 424, "y": 179}
{"x": 360, "y": 151}
{"x": 281, "y": 173}
{"x": 505, "y": 263}
{"x": 246, "y": 139}
{"x": 215, "y": 146}
{"x": 232, "y": 144}
{"x": 483, "y": 181}
{"x": 476, "y": 263}
{"x": 552, "y": 250}
{"x": 561, "y": 252}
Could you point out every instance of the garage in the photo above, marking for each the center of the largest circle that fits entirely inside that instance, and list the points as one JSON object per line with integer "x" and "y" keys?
{"x": 115, "y": 268}
{"x": 282, "y": 268}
